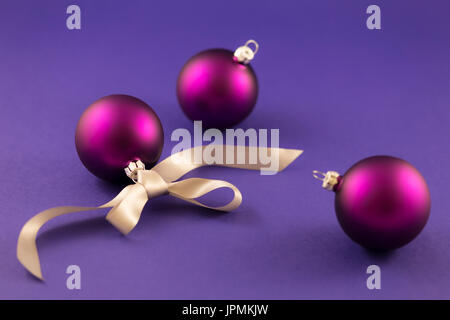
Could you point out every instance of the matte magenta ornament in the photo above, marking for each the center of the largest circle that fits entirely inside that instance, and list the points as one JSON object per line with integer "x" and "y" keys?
{"x": 381, "y": 202}
{"x": 218, "y": 86}
{"x": 115, "y": 130}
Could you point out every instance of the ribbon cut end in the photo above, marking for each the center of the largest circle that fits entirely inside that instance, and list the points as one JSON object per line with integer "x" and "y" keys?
{"x": 31, "y": 265}
{"x": 288, "y": 156}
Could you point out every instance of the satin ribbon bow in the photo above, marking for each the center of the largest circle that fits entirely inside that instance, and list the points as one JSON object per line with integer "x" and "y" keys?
{"x": 161, "y": 179}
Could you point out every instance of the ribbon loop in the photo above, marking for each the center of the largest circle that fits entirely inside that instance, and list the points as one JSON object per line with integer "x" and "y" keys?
{"x": 193, "y": 188}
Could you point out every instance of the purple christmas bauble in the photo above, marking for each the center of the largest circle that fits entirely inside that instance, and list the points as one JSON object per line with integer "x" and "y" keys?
{"x": 115, "y": 130}
{"x": 214, "y": 87}
{"x": 381, "y": 202}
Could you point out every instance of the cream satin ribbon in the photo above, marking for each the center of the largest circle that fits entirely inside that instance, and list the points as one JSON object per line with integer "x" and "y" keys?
{"x": 161, "y": 179}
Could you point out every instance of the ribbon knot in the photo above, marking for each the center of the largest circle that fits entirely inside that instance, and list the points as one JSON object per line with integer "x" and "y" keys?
{"x": 127, "y": 206}
{"x": 153, "y": 183}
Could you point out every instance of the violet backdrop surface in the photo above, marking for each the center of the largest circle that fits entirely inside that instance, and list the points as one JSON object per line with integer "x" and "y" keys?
{"x": 334, "y": 88}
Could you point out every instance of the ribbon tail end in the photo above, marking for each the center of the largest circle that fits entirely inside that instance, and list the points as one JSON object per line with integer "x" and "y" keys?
{"x": 32, "y": 265}
{"x": 289, "y": 156}
{"x": 297, "y": 153}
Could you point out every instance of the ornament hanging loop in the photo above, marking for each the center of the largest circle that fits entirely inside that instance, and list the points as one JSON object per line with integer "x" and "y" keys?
{"x": 329, "y": 179}
{"x": 245, "y": 54}
{"x": 132, "y": 168}
{"x": 319, "y": 175}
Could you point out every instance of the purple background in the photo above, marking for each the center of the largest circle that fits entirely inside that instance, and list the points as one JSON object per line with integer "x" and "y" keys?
{"x": 334, "y": 88}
